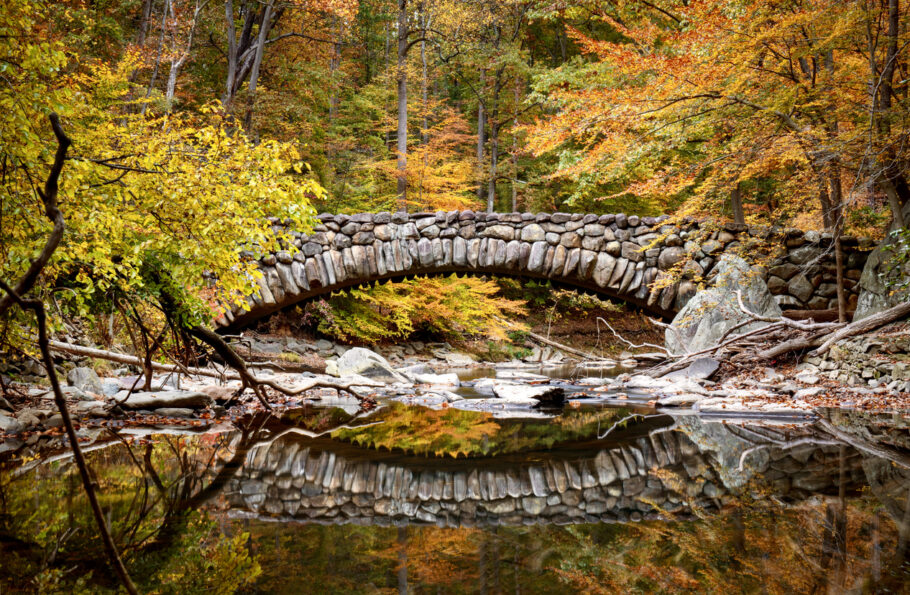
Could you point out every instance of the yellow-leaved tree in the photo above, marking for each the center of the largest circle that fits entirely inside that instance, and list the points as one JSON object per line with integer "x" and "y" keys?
{"x": 154, "y": 203}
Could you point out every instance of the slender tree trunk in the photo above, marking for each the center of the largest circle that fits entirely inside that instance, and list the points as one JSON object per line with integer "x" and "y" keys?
{"x": 514, "y": 156}
{"x": 231, "y": 54}
{"x": 148, "y": 92}
{"x": 425, "y": 123}
{"x": 481, "y": 136}
{"x": 494, "y": 142}
{"x": 424, "y": 95}
{"x": 893, "y": 178}
{"x": 402, "y": 560}
{"x": 257, "y": 63}
{"x": 385, "y": 60}
{"x": 838, "y": 229}
{"x": 402, "y": 147}
{"x": 736, "y": 200}
{"x": 144, "y": 19}
{"x": 177, "y": 62}
{"x": 494, "y": 158}
{"x": 334, "y": 64}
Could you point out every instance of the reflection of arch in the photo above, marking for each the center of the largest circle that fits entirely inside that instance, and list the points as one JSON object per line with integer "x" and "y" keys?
{"x": 615, "y": 256}
{"x": 639, "y": 473}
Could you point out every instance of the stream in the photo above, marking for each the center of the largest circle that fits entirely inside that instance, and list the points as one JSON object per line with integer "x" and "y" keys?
{"x": 596, "y": 496}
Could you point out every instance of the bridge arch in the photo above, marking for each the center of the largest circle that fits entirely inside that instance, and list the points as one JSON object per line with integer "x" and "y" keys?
{"x": 615, "y": 255}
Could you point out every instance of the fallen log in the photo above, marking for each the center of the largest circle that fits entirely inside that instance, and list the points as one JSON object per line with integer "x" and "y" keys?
{"x": 865, "y": 325}
{"x": 560, "y": 346}
{"x": 121, "y": 358}
{"x": 829, "y": 315}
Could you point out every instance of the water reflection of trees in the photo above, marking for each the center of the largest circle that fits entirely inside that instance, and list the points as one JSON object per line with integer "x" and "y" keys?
{"x": 152, "y": 493}
{"x": 166, "y": 508}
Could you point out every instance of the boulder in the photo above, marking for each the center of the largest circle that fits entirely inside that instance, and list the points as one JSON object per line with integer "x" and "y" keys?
{"x": 437, "y": 379}
{"x": 167, "y": 399}
{"x": 679, "y": 400}
{"x": 174, "y": 412}
{"x": 876, "y": 283}
{"x": 366, "y": 363}
{"x": 9, "y": 424}
{"x": 522, "y": 393}
{"x": 85, "y": 379}
{"x": 712, "y": 312}
{"x": 459, "y": 359}
{"x": 701, "y": 369}
{"x": 331, "y": 367}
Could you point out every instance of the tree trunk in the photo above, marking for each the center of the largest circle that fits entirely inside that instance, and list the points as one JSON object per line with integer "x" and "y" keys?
{"x": 425, "y": 123}
{"x": 402, "y": 147}
{"x": 837, "y": 200}
{"x": 142, "y": 33}
{"x": 334, "y": 64}
{"x": 736, "y": 200}
{"x": 494, "y": 158}
{"x": 514, "y": 156}
{"x": 894, "y": 203}
{"x": 231, "y": 54}
{"x": 481, "y": 136}
{"x": 402, "y": 573}
{"x": 257, "y": 63}
{"x": 148, "y": 91}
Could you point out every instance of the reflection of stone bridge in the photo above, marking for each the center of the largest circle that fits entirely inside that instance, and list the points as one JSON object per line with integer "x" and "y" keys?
{"x": 617, "y": 256}
{"x": 643, "y": 476}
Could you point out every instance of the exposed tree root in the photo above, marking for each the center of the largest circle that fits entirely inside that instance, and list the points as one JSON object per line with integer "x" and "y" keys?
{"x": 560, "y": 346}
{"x": 780, "y": 337}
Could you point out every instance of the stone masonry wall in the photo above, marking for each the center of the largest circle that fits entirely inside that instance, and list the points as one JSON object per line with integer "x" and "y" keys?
{"x": 615, "y": 255}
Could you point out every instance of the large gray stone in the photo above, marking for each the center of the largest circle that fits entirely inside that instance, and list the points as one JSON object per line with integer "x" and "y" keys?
{"x": 363, "y": 362}
{"x": 85, "y": 379}
{"x": 184, "y": 399}
{"x": 510, "y": 391}
{"x": 533, "y": 233}
{"x": 877, "y": 281}
{"x": 712, "y": 312}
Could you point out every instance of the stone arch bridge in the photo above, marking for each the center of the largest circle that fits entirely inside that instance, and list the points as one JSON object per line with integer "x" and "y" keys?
{"x": 617, "y": 256}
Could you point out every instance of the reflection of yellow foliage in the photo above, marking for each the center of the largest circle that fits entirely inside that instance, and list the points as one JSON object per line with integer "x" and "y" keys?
{"x": 450, "y": 432}
{"x": 424, "y": 431}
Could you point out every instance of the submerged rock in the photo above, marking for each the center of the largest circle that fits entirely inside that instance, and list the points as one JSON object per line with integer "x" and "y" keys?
{"x": 174, "y": 412}
{"x": 702, "y": 369}
{"x": 711, "y": 313}
{"x": 363, "y": 362}
{"x": 437, "y": 379}
{"x": 165, "y": 399}
{"x": 529, "y": 393}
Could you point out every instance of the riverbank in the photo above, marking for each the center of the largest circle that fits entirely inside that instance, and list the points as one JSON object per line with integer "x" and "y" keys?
{"x": 439, "y": 376}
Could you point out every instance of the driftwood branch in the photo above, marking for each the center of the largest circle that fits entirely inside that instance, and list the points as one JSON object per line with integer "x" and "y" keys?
{"x": 626, "y": 341}
{"x": 871, "y": 323}
{"x": 305, "y": 385}
{"x": 560, "y": 346}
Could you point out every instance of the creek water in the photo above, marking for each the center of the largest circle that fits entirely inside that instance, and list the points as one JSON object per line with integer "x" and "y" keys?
{"x": 588, "y": 498}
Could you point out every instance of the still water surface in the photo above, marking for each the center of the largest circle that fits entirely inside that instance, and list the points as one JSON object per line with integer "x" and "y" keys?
{"x": 407, "y": 499}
